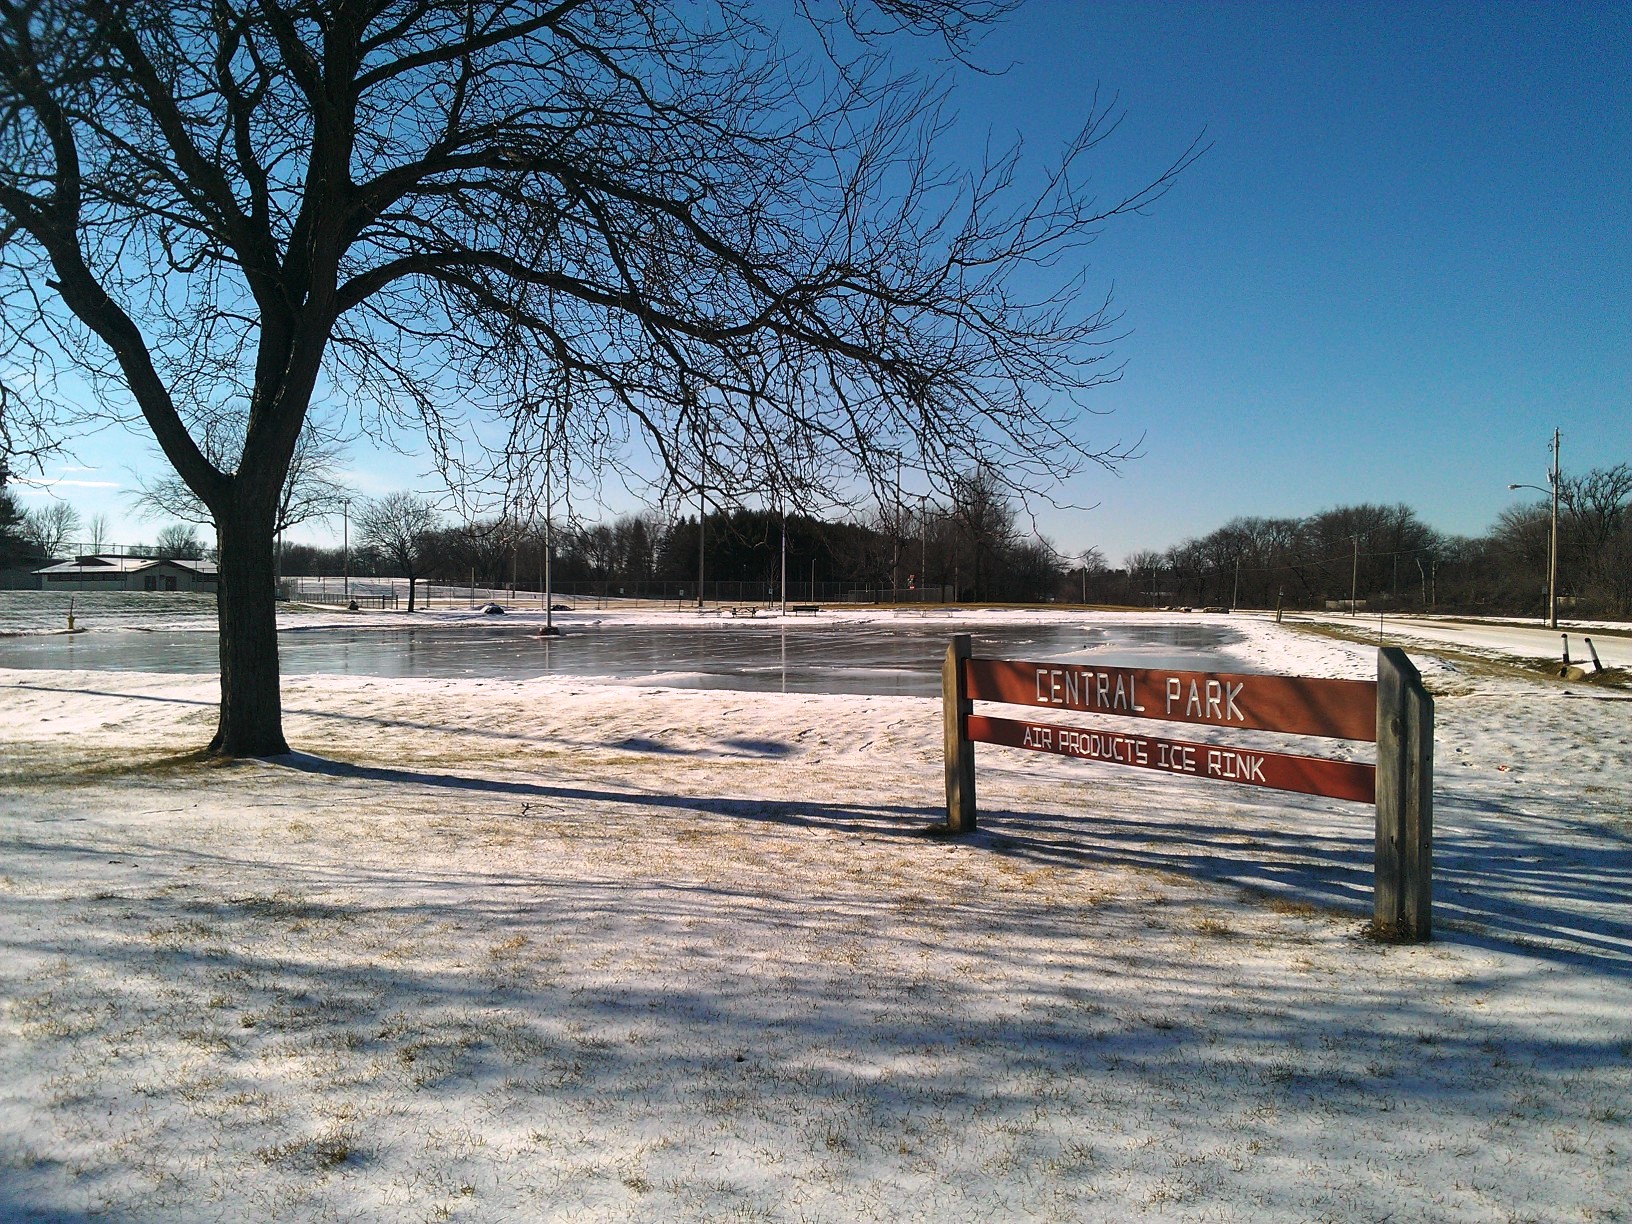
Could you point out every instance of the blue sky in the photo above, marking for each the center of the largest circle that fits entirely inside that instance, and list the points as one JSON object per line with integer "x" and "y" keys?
{"x": 1405, "y": 259}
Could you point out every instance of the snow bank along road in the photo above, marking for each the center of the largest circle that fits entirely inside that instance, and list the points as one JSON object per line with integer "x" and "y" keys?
{"x": 577, "y": 951}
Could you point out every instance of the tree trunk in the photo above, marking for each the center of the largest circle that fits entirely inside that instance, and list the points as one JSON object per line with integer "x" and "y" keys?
{"x": 251, "y": 704}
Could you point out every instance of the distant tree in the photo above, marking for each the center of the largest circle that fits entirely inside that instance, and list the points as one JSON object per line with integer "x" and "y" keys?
{"x": 51, "y": 528}
{"x": 1145, "y": 569}
{"x": 1084, "y": 579}
{"x": 311, "y": 560}
{"x": 1365, "y": 548}
{"x": 96, "y": 532}
{"x": 1516, "y": 554}
{"x": 1027, "y": 571}
{"x": 986, "y": 516}
{"x": 179, "y": 541}
{"x": 311, "y": 490}
{"x": 478, "y": 550}
{"x": 402, "y": 529}
{"x": 1596, "y": 521}
{"x": 14, "y": 546}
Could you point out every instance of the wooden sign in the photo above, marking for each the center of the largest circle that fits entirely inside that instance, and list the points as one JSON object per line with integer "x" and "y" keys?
{"x": 1298, "y": 705}
{"x": 1221, "y": 763}
{"x": 1396, "y": 712}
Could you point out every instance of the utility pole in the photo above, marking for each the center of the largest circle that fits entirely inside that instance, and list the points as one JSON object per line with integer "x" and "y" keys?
{"x": 549, "y": 511}
{"x": 1552, "y": 537}
{"x": 1552, "y": 564}
{"x": 1235, "y": 595}
{"x": 784, "y": 561}
{"x": 1354, "y": 580}
{"x": 345, "y": 547}
{"x": 923, "y": 542}
{"x": 895, "y": 539}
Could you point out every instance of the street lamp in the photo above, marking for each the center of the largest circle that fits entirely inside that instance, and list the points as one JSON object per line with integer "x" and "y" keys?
{"x": 549, "y": 629}
{"x": 1552, "y": 540}
{"x": 345, "y": 548}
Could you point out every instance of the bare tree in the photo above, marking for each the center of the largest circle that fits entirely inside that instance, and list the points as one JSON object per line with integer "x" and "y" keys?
{"x": 50, "y": 528}
{"x": 1598, "y": 534}
{"x": 986, "y": 516}
{"x": 1145, "y": 568}
{"x": 1091, "y": 564}
{"x": 13, "y": 544}
{"x": 402, "y": 529}
{"x": 179, "y": 541}
{"x": 311, "y": 490}
{"x": 536, "y": 230}
{"x": 96, "y": 532}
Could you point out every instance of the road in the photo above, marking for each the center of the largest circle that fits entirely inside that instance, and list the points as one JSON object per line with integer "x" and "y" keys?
{"x": 1525, "y": 641}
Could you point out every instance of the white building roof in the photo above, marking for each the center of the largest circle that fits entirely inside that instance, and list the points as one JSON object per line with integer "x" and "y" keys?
{"x": 125, "y": 565}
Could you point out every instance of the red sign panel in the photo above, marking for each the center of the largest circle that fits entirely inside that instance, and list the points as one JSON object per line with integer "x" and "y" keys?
{"x": 1221, "y": 763}
{"x": 1342, "y": 709}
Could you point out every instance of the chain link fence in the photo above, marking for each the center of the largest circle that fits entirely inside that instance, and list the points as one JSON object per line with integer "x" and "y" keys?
{"x": 568, "y": 596}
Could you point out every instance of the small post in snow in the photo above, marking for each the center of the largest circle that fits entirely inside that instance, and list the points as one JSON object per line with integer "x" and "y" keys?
{"x": 1405, "y": 800}
{"x": 1593, "y": 651}
{"x": 1566, "y": 638}
{"x": 960, "y": 752}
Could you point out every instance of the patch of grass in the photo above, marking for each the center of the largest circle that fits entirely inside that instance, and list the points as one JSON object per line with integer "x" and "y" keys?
{"x": 1293, "y": 909}
{"x": 1609, "y": 677}
{"x": 283, "y": 906}
{"x": 836, "y": 1140}
{"x": 318, "y": 1153}
{"x": 72, "y": 764}
{"x": 1472, "y": 662}
{"x": 1386, "y": 933}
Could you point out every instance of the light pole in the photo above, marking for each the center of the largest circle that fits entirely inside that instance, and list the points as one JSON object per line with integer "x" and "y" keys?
{"x": 1552, "y": 536}
{"x": 549, "y": 549}
{"x": 702, "y": 528}
{"x": 1354, "y": 580}
{"x": 895, "y": 539}
{"x": 345, "y": 548}
{"x": 923, "y": 543}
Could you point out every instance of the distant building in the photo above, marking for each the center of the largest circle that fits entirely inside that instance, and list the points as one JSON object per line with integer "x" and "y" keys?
{"x": 102, "y": 573}
{"x": 21, "y": 576}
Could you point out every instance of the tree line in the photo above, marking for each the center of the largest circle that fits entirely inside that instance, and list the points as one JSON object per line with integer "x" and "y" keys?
{"x": 1383, "y": 556}
{"x": 973, "y": 548}
{"x": 1386, "y": 556}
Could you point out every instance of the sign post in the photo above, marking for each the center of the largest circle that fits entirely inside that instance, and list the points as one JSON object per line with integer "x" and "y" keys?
{"x": 960, "y": 752}
{"x": 1396, "y": 712}
{"x": 1405, "y": 800}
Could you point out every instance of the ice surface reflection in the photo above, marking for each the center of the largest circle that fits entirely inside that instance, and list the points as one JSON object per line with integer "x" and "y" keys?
{"x": 882, "y": 658}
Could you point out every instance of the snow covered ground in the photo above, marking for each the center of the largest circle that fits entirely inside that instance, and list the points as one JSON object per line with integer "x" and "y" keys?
{"x": 1528, "y": 639}
{"x": 555, "y": 949}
